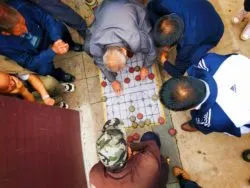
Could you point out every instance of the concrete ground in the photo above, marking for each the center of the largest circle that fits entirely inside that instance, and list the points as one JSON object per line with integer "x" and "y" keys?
{"x": 214, "y": 160}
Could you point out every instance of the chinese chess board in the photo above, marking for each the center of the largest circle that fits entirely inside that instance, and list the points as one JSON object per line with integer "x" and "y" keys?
{"x": 139, "y": 104}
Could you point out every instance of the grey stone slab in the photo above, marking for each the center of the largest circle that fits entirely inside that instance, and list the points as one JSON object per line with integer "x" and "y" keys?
{"x": 169, "y": 146}
{"x": 79, "y": 96}
{"x": 74, "y": 66}
{"x": 94, "y": 88}
{"x": 173, "y": 185}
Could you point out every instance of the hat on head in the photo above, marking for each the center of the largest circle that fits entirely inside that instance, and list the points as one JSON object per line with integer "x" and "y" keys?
{"x": 111, "y": 146}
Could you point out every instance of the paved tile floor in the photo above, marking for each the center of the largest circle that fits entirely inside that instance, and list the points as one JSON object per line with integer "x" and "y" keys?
{"x": 214, "y": 161}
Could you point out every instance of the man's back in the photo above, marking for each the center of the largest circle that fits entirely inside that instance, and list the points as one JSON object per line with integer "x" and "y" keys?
{"x": 143, "y": 170}
{"x": 196, "y": 14}
{"x": 118, "y": 22}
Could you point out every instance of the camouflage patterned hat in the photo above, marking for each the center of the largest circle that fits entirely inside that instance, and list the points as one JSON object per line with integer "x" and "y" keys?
{"x": 111, "y": 146}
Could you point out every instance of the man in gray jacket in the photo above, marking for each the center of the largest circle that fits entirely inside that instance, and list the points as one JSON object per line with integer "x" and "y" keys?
{"x": 119, "y": 30}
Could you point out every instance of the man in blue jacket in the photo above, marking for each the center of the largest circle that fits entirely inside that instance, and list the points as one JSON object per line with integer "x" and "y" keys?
{"x": 193, "y": 25}
{"x": 216, "y": 92}
{"x": 26, "y": 34}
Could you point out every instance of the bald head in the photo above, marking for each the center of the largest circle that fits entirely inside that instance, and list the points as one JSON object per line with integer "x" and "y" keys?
{"x": 115, "y": 58}
{"x": 182, "y": 93}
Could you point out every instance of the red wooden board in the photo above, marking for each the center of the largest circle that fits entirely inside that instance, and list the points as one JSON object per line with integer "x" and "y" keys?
{"x": 40, "y": 146}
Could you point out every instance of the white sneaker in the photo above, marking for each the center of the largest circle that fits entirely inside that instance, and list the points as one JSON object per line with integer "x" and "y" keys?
{"x": 68, "y": 87}
{"x": 63, "y": 105}
{"x": 239, "y": 16}
{"x": 245, "y": 35}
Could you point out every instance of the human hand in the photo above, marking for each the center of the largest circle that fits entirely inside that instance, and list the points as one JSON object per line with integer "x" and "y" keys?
{"x": 49, "y": 101}
{"x": 144, "y": 73}
{"x": 117, "y": 87}
{"x": 60, "y": 47}
{"x": 163, "y": 57}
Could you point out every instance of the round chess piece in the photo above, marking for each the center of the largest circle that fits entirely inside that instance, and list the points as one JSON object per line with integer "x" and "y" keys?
{"x": 139, "y": 115}
{"x": 132, "y": 118}
{"x": 104, "y": 99}
{"x": 104, "y": 83}
{"x": 131, "y": 108}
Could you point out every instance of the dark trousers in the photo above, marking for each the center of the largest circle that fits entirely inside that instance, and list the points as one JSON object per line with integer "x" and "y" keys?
{"x": 187, "y": 183}
{"x": 247, "y": 5}
{"x": 64, "y": 13}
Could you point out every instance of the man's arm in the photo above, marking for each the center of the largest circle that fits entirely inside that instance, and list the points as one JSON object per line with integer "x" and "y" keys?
{"x": 29, "y": 61}
{"x": 49, "y": 23}
{"x": 182, "y": 62}
{"x": 147, "y": 147}
{"x": 38, "y": 86}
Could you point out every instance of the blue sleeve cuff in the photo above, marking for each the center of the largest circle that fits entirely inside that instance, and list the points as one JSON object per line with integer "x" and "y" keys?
{"x": 171, "y": 69}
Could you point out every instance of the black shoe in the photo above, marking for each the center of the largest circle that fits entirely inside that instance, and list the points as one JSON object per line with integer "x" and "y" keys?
{"x": 62, "y": 76}
{"x": 77, "y": 47}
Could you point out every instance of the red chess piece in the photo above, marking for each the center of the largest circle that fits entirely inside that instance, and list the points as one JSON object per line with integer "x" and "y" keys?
{"x": 161, "y": 120}
{"x": 151, "y": 76}
{"x": 138, "y": 78}
{"x": 172, "y": 131}
{"x": 136, "y": 136}
{"x": 104, "y": 83}
{"x": 127, "y": 80}
{"x": 131, "y": 70}
{"x": 130, "y": 139}
{"x": 139, "y": 115}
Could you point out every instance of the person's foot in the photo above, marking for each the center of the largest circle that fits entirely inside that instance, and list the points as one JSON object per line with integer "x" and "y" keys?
{"x": 62, "y": 76}
{"x": 91, "y": 4}
{"x": 245, "y": 35}
{"x": 177, "y": 171}
{"x": 77, "y": 47}
{"x": 239, "y": 17}
{"x": 188, "y": 127}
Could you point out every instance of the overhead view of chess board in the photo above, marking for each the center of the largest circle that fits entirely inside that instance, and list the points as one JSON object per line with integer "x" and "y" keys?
{"x": 139, "y": 104}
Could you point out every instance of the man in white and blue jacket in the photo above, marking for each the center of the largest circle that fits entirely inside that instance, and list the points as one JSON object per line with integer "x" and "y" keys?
{"x": 217, "y": 93}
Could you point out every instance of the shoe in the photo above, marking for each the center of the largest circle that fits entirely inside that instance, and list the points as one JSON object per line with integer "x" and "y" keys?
{"x": 77, "y": 47}
{"x": 68, "y": 87}
{"x": 63, "y": 105}
{"x": 239, "y": 17}
{"x": 188, "y": 127}
{"x": 245, "y": 35}
{"x": 246, "y": 155}
{"x": 62, "y": 76}
{"x": 177, "y": 171}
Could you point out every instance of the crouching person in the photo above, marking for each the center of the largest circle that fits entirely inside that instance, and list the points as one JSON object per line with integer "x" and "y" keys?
{"x": 128, "y": 166}
{"x": 217, "y": 93}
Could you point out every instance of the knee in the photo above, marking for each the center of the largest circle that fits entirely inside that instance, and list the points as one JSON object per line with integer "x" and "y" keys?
{"x": 151, "y": 136}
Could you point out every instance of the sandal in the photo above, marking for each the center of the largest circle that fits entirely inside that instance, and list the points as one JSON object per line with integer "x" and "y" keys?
{"x": 92, "y": 5}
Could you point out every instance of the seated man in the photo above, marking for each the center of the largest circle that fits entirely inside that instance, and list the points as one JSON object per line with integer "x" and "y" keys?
{"x": 193, "y": 25}
{"x": 11, "y": 85}
{"x": 26, "y": 35}
{"x": 128, "y": 166}
{"x": 43, "y": 88}
{"x": 216, "y": 92}
{"x": 120, "y": 29}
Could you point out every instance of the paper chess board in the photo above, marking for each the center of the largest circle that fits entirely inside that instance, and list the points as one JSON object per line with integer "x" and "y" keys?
{"x": 138, "y": 94}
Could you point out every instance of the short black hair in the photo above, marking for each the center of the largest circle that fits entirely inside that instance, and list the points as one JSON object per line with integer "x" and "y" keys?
{"x": 183, "y": 93}
{"x": 162, "y": 38}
